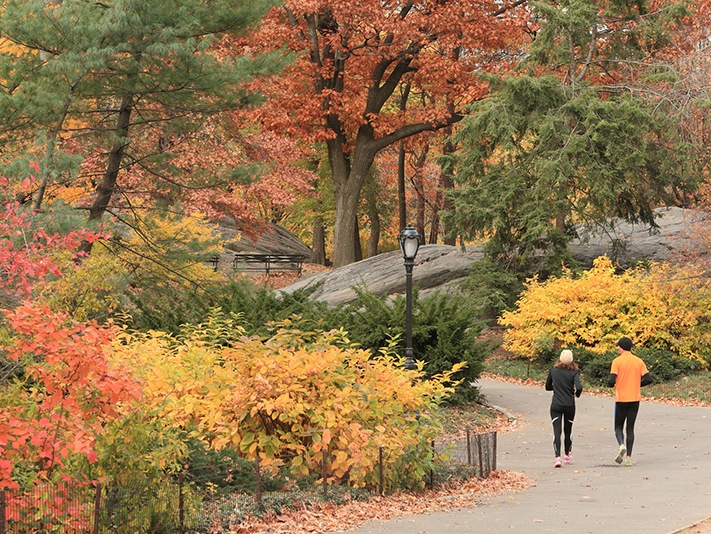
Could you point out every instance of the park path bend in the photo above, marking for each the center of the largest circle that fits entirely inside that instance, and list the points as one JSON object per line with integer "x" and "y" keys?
{"x": 668, "y": 487}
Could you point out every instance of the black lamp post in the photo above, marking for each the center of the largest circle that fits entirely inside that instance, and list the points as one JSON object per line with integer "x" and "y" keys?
{"x": 409, "y": 243}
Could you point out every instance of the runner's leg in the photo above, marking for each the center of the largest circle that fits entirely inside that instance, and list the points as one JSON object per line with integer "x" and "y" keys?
{"x": 557, "y": 420}
{"x": 620, "y": 416}
{"x": 569, "y": 414}
{"x": 632, "y": 411}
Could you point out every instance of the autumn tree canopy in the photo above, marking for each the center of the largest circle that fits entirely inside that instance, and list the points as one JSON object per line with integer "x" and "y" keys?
{"x": 352, "y": 57}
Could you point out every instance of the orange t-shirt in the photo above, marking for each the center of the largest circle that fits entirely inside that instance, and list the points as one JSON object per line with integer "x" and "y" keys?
{"x": 629, "y": 370}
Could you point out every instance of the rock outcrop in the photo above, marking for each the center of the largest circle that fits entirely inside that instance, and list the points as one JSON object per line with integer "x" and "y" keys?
{"x": 443, "y": 267}
{"x": 637, "y": 242}
{"x": 436, "y": 266}
{"x": 274, "y": 240}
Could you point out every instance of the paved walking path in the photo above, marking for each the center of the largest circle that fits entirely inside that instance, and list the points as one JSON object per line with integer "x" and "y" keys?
{"x": 668, "y": 487}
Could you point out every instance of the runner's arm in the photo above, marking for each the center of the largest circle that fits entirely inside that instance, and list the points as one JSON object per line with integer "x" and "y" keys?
{"x": 647, "y": 379}
{"x": 578, "y": 385}
{"x": 612, "y": 380}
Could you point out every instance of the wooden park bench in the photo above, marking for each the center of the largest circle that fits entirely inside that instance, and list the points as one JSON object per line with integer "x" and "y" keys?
{"x": 269, "y": 262}
{"x": 213, "y": 262}
{"x": 263, "y": 262}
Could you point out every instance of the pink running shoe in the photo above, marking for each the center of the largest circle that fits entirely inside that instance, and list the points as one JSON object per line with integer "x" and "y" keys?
{"x": 557, "y": 462}
{"x": 568, "y": 457}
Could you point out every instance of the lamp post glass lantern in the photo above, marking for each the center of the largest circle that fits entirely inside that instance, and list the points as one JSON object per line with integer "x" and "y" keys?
{"x": 409, "y": 244}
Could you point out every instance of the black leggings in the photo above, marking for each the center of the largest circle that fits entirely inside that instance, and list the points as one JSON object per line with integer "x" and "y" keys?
{"x": 562, "y": 418}
{"x": 625, "y": 411}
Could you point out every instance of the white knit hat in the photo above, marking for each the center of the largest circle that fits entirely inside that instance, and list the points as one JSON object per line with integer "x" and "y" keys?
{"x": 566, "y": 356}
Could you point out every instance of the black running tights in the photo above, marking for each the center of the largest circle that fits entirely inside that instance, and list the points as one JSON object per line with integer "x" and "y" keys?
{"x": 562, "y": 418}
{"x": 625, "y": 411}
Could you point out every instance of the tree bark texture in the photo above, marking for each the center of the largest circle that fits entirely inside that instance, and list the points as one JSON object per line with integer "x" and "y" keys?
{"x": 107, "y": 186}
{"x": 318, "y": 246}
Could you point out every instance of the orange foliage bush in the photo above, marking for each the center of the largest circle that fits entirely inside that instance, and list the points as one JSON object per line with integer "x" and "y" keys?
{"x": 73, "y": 390}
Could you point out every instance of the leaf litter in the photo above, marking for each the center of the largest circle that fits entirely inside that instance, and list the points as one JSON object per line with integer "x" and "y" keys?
{"x": 329, "y": 517}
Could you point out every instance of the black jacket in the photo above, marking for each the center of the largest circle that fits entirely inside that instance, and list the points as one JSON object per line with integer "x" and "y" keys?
{"x": 564, "y": 383}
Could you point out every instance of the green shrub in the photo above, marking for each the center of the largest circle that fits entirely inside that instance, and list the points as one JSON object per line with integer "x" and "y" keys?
{"x": 594, "y": 367}
{"x": 665, "y": 365}
{"x": 492, "y": 288}
{"x": 257, "y": 306}
{"x": 168, "y": 309}
{"x": 260, "y": 306}
{"x": 445, "y": 330}
{"x": 224, "y": 472}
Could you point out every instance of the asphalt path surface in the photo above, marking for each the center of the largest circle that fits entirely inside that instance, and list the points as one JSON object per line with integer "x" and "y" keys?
{"x": 667, "y": 489}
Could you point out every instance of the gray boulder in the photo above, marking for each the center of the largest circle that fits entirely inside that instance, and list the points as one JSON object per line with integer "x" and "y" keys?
{"x": 436, "y": 267}
{"x": 273, "y": 240}
{"x": 629, "y": 243}
{"x": 442, "y": 267}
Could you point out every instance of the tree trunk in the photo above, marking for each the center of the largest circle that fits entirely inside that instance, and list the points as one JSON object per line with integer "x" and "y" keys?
{"x": 560, "y": 223}
{"x": 447, "y": 184}
{"x": 108, "y": 184}
{"x": 434, "y": 224}
{"x": 318, "y": 246}
{"x": 374, "y": 218}
{"x": 346, "y": 196}
{"x": 421, "y": 208}
{"x": 401, "y": 202}
{"x": 348, "y": 183}
{"x": 358, "y": 249}
{"x": 420, "y": 192}
{"x": 374, "y": 239}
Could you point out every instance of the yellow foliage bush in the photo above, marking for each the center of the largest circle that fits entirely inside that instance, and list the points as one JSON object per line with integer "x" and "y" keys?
{"x": 88, "y": 290}
{"x": 664, "y": 306}
{"x": 291, "y": 397}
{"x": 163, "y": 249}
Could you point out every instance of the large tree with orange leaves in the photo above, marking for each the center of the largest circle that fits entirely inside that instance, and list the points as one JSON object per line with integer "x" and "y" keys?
{"x": 352, "y": 57}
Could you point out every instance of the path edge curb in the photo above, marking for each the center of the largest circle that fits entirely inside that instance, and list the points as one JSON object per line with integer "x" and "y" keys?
{"x": 506, "y": 412}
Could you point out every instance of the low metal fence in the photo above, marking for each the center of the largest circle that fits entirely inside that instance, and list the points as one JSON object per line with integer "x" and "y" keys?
{"x": 470, "y": 449}
{"x": 201, "y": 498}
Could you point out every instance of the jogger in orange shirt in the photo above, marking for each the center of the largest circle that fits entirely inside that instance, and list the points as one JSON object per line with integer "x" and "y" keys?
{"x": 627, "y": 375}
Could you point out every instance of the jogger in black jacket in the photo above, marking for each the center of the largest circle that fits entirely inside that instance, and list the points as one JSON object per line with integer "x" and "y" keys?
{"x": 564, "y": 381}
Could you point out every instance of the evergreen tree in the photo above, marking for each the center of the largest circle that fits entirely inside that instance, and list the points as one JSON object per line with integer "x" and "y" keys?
{"x": 118, "y": 85}
{"x": 568, "y": 140}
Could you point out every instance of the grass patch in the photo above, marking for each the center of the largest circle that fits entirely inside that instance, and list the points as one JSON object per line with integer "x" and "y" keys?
{"x": 692, "y": 387}
{"x": 518, "y": 368}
